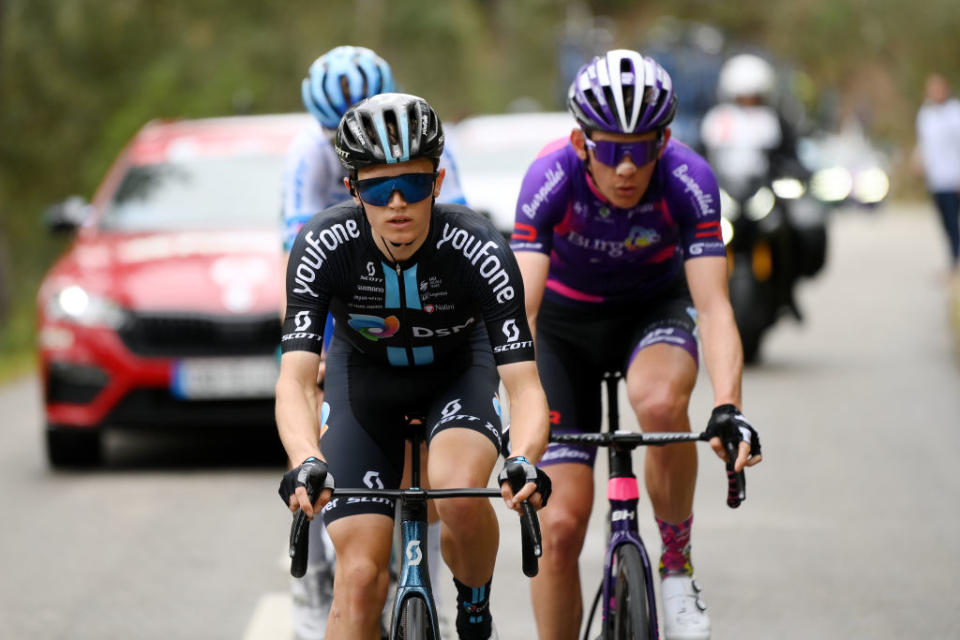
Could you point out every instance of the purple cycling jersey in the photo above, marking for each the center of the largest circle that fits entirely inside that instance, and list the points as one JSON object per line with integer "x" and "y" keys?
{"x": 603, "y": 254}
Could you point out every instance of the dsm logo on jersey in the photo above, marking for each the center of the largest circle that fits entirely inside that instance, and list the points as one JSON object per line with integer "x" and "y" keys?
{"x": 374, "y": 327}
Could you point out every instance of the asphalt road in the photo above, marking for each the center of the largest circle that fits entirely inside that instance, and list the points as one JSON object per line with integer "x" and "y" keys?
{"x": 850, "y": 528}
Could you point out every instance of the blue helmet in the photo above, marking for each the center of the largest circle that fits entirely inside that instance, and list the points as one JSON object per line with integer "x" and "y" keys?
{"x": 342, "y": 77}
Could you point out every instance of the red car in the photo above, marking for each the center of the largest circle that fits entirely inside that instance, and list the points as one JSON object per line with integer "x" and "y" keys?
{"x": 165, "y": 309}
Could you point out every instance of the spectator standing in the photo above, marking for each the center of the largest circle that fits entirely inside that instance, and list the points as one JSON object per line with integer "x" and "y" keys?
{"x": 938, "y": 146}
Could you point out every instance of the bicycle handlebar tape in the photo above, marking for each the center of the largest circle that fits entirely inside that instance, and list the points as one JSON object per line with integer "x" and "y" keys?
{"x": 530, "y": 540}
{"x": 300, "y": 533}
{"x": 737, "y": 487}
{"x": 299, "y": 537}
{"x": 736, "y": 481}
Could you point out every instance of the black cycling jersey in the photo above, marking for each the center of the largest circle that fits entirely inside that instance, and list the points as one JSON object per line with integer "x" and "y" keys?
{"x": 416, "y": 312}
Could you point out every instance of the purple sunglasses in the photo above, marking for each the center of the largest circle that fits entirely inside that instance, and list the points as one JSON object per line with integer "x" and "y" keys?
{"x": 612, "y": 153}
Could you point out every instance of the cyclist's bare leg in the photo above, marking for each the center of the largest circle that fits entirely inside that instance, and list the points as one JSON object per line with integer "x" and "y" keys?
{"x": 360, "y": 585}
{"x": 556, "y": 595}
{"x": 470, "y": 532}
{"x": 659, "y": 383}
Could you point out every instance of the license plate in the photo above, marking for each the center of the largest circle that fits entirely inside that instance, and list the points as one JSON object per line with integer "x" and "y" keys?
{"x": 224, "y": 378}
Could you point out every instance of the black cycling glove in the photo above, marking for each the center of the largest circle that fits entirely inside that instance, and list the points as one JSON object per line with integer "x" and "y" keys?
{"x": 744, "y": 431}
{"x": 312, "y": 474}
{"x": 518, "y": 471}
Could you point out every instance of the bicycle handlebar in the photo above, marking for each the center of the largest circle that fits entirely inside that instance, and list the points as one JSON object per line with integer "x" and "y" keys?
{"x": 299, "y": 537}
{"x": 530, "y": 539}
{"x": 736, "y": 481}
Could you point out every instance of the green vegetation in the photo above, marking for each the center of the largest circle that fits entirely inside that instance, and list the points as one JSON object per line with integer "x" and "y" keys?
{"x": 78, "y": 78}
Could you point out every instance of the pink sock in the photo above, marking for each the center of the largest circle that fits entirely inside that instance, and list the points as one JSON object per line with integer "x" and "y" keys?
{"x": 675, "y": 557}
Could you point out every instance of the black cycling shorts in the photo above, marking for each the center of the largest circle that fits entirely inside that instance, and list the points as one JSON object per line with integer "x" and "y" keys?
{"x": 576, "y": 347}
{"x": 364, "y": 443}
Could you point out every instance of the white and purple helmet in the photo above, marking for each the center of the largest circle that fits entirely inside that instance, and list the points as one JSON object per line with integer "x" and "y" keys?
{"x": 622, "y": 92}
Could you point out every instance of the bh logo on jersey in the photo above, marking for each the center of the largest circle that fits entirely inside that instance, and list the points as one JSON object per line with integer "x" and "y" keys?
{"x": 374, "y": 327}
{"x": 640, "y": 238}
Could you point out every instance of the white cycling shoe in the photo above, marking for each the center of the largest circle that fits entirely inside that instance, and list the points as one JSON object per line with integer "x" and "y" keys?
{"x": 684, "y": 611}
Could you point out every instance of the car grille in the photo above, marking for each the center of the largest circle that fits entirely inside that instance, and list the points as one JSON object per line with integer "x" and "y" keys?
{"x": 157, "y": 408}
{"x": 74, "y": 383}
{"x": 180, "y": 335}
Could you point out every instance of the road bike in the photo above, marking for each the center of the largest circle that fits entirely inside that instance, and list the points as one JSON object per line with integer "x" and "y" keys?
{"x": 629, "y": 608}
{"x": 414, "y": 614}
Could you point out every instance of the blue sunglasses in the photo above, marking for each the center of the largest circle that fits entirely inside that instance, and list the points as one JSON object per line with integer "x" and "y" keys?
{"x": 612, "y": 153}
{"x": 414, "y": 187}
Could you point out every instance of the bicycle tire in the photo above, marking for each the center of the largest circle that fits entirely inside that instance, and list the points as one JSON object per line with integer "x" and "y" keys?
{"x": 415, "y": 622}
{"x": 631, "y": 615}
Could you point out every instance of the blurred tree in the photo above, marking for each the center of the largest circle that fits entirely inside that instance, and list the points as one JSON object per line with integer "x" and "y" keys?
{"x": 78, "y": 78}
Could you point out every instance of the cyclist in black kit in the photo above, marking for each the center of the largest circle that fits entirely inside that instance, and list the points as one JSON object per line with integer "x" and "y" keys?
{"x": 429, "y": 308}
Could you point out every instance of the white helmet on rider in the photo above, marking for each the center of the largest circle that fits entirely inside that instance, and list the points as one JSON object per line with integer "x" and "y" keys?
{"x": 746, "y": 75}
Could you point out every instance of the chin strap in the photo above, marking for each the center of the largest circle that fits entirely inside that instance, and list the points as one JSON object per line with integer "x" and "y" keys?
{"x": 388, "y": 243}
{"x": 586, "y": 165}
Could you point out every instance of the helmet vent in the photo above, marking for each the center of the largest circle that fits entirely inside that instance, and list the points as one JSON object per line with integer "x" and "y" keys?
{"x": 611, "y": 104}
{"x": 594, "y": 103}
{"x": 369, "y": 129}
{"x": 629, "y": 91}
{"x": 393, "y": 132}
{"x": 366, "y": 83}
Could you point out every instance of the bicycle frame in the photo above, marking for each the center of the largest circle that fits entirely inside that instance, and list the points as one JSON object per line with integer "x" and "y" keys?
{"x": 414, "y": 578}
{"x": 623, "y": 494}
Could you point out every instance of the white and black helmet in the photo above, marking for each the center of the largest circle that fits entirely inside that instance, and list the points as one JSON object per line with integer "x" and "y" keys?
{"x": 388, "y": 128}
{"x": 622, "y": 91}
{"x": 746, "y": 75}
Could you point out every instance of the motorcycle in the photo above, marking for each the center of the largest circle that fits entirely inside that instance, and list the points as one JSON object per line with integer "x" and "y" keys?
{"x": 775, "y": 235}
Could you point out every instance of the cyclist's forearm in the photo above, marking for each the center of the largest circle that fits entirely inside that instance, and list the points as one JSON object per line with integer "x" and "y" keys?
{"x": 529, "y": 425}
{"x": 532, "y": 322}
{"x": 722, "y": 355}
{"x": 296, "y": 413}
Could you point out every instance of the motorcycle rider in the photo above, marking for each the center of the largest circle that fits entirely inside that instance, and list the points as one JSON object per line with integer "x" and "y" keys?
{"x": 750, "y": 144}
{"x": 313, "y": 181}
{"x": 745, "y": 134}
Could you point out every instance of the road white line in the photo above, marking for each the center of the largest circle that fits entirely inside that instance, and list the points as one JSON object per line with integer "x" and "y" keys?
{"x": 271, "y": 619}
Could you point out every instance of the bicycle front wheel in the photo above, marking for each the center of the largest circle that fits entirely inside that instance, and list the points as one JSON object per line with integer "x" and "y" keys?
{"x": 415, "y": 621}
{"x": 631, "y": 616}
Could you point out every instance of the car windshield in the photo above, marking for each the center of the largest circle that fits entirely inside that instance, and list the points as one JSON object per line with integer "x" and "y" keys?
{"x": 507, "y": 158}
{"x": 507, "y": 144}
{"x": 199, "y": 193}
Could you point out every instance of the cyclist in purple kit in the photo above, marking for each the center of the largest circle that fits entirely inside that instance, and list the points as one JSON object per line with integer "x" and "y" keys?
{"x": 618, "y": 239}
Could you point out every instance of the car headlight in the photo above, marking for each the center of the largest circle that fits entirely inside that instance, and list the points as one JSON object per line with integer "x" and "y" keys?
{"x": 871, "y": 185}
{"x": 76, "y": 305}
{"x": 760, "y": 204}
{"x": 788, "y": 188}
{"x": 729, "y": 208}
{"x": 726, "y": 229}
{"x": 831, "y": 185}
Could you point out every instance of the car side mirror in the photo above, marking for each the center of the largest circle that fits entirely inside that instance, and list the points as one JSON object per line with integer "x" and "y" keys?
{"x": 65, "y": 217}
